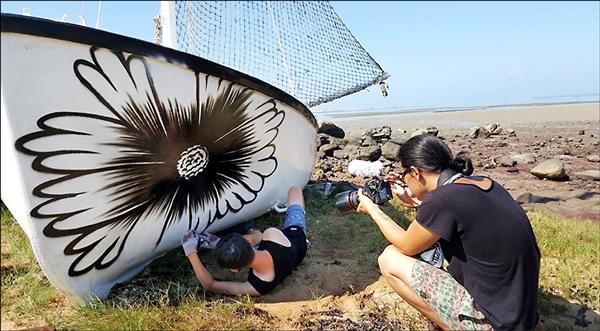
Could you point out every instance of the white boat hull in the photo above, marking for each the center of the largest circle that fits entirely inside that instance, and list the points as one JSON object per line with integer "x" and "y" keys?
{"x": 113, "y": 148}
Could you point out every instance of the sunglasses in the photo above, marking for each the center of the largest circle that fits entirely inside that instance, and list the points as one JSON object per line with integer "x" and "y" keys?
{"x": 402, "y": 174}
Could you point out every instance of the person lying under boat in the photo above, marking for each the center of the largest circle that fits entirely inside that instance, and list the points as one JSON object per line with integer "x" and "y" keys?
{"x": 277, "y": 254}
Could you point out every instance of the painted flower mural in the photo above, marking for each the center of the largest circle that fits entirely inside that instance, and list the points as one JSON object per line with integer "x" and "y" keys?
{"x": 162, "y": 159}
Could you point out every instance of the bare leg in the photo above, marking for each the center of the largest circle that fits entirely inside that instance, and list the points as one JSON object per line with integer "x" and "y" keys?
{"x": 396, "y": 268}
{"x": 295, "y": 196}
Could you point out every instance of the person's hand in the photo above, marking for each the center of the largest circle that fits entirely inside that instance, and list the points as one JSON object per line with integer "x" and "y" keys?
{"x": 189, "y": 242}
{"x": 208, "y": 240}
{"x": 405, "y": 195}
{"x": 365, "y": 204}
{"x": 392, "y": 177}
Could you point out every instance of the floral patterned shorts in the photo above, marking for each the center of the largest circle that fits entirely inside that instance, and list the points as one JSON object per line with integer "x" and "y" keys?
{"x": 447, "y": 297}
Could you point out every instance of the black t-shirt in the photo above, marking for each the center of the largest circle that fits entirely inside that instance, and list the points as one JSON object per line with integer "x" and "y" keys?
{"x": 284, "y": 258}
{"x": 491, "y": 249}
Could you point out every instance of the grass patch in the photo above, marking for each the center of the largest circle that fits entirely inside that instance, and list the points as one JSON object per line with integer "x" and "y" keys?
{"x": 570, "y": 259}
{"x": 26, "y": 293}
{"x": 167, "y": 296}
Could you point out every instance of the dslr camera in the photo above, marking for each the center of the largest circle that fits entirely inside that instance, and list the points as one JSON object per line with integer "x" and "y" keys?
{"x": 376, "y": 189}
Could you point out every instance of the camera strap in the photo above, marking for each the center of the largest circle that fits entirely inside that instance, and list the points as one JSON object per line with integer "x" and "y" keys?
{"x": 448, "y": 176}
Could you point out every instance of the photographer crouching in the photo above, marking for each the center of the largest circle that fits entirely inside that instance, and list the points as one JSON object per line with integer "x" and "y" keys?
{"x": 492, "y": 276}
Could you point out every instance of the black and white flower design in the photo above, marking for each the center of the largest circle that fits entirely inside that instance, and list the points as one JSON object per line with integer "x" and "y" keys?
{"x": 193, "y": 156}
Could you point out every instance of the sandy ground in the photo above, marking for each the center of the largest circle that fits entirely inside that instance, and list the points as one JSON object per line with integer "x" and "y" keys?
{"x": 507, "y": 116}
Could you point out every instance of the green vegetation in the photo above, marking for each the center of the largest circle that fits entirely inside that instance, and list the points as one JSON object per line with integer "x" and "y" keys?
{"x": 570, "y": 259}
{"x": 166, "y": 295}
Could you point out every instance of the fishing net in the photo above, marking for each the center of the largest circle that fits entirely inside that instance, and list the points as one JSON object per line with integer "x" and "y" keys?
{"x": 301, "y": 47}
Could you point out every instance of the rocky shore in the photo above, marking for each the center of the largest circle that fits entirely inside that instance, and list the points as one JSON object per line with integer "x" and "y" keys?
{"x": 548, "y": 166}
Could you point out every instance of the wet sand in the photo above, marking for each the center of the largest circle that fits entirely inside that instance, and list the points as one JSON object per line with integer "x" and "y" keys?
{"x": 515, "y": 116}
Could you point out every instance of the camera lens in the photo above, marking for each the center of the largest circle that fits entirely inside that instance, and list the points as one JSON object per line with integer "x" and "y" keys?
{"x": 346, "y": 201}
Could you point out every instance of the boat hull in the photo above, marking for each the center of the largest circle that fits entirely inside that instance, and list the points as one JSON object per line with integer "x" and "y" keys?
{"x": 113, "y": 148}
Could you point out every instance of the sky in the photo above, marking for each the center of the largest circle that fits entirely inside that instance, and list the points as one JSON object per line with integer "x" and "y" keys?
{"x": 439, "y": 54}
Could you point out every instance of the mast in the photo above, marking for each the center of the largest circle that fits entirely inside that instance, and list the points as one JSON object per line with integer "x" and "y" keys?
{"x": 168, "y": 26}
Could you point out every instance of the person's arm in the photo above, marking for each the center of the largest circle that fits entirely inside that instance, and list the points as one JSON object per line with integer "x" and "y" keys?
{"x": 254, "y": 237}
{"x": 223, "y": 287}
{"x": 410, "y": 242}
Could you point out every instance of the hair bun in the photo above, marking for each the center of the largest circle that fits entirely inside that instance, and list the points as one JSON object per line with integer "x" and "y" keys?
{"x": 462, "y": 163}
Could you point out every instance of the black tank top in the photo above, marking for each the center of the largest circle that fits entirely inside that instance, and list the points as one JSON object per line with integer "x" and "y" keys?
{"x": 284, "y": 260}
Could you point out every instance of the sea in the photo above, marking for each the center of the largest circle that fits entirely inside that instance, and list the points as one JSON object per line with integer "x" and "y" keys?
{"x": 355, "y": 114}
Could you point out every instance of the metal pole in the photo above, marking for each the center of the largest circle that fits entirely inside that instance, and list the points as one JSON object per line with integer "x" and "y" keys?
{"x": 98, "y": 18}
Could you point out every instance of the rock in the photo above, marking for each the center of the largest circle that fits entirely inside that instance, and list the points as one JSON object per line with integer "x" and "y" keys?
{"x": 331, "y": 129}
{"x": 323, "y": 139}
{"x": 380, "y": 134}
{"x": 566, "y": 157}
{"x": 479, "y": 132}
{"x": 347, "y": 152}
{"x": 588, "y": 174}
{"x": 581, "y": 132}
{"x": 502, "y": 144}
{"x": 491, "y": 127}
{"x": 504, "y": 161}
{"x": 319, "y": 174}
{"x": 338, "y": 141}
{"x": 418, "y": 132}
{"x": 497, "y": 130}
{"x": 340, "y": 154}
{"x": 550, "y": 169}
{"x": 369, "y": 141}
{"x": 328, "y": 149}
{"x": 512, "y": 170}
{"x": 524, "y": 198}
{"x": 353, "y": 138}
{"x": 474, "y": 132}
{"x": 593, "y": 158}
{"x": 369, "y": 153}
{"x": 399, "y": 136}
{"x": 523, "y": 158}
{"x": 432, "y": 130}
{"x": 530, "y": 198}
{"x": 400, "y": 139}
{"x": 326, "y": 166}
{"x": 337, "y": 168}
{"x": 580, "y": 194}
{"x": 390, "y": 150}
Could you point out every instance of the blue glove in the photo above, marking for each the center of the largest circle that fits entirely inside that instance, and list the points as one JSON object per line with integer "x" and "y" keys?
{"x": 189, "y": 242}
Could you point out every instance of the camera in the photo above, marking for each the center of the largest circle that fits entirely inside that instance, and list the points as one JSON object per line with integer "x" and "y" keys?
{"x": 376, "y": 189}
